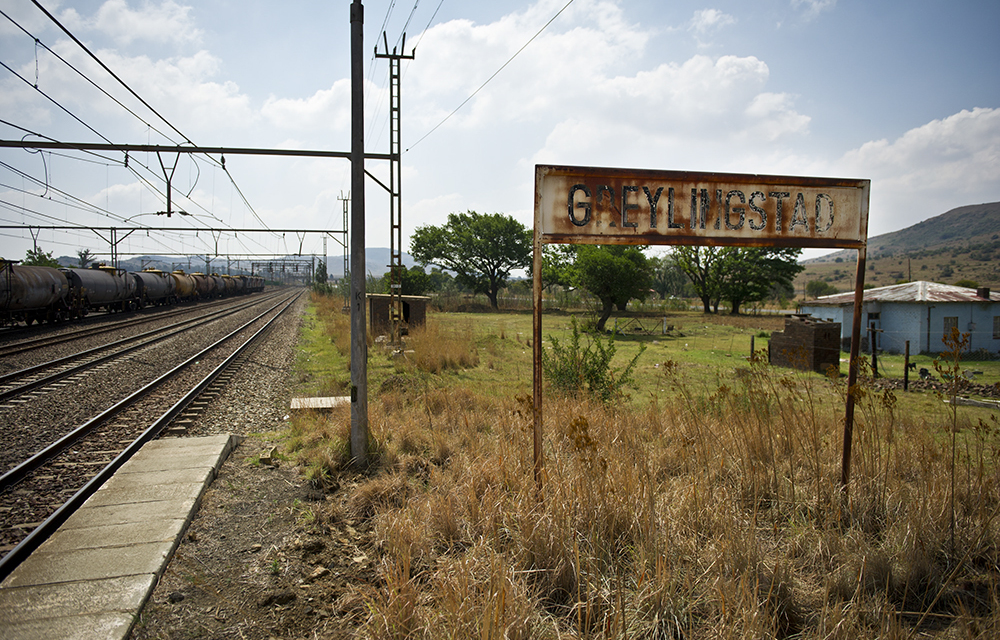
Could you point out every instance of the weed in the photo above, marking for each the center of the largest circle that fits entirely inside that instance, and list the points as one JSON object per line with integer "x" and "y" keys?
{"x": 577, "y": 368}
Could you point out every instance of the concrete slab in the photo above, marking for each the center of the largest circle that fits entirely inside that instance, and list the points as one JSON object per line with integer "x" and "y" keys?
{"x": 321, "y": 403}
{"x": 134, "y": 492}
{"x": 42, "y": 602}
{"x": 114, "y": 624}
{"x": 117, "y": 535}
{"x": 92, "y": 577}
{"x": 124, "y": 513}
{"x": 43, "y": 568}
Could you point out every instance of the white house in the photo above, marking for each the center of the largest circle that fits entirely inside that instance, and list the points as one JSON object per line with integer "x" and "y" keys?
{"x": 921, "y": 312}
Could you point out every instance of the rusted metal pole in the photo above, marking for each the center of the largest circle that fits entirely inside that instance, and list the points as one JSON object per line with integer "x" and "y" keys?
{"x": 852, "y": 371}
{"x": 536, "y": 350}
{"x": 906, "y": 368}
{"x": 873, "y": 344}
{"x": 359, "y": 336}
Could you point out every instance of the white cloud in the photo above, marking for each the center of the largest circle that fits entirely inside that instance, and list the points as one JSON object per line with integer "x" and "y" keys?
{"x": 327, "y": 109}
{"x": 812, "y": 8}
{"x": 565, "y": 62}
{"x": 163, "y": 23}
{"x": 930, "y": 168}
{"x": 707, "y": 20}
{"x": 678, "y": 116}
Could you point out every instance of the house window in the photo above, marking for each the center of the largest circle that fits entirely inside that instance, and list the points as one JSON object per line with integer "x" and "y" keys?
{"x": 950, "y": 323}
{"x": 996, "y": 327}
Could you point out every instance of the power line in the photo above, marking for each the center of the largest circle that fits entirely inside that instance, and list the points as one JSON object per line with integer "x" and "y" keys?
{"x": 495, "y": 74}
{"x": 54, "y": 101}
{"x": 106, "y": 68}
{"x": 140, "y": 99}
{"x": 81, "y": 74}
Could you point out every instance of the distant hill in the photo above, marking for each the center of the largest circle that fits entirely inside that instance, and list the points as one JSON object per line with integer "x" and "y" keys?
{"x": 376, "y": 259}
{"x": 960, "y": 245}
{"x": 976, "y": 224}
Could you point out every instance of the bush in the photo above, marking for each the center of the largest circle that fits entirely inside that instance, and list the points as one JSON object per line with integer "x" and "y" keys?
{"x": 576, "y": 367}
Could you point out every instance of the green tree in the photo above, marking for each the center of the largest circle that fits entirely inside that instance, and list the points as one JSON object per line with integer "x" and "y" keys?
{"x": 321, "y": 283}
{"x": 38, "y": 258}
{"x": 320, "y": 276}
{"x": 669, "y": 279}
{"x": 614, "y": 274}
{"x": 557, "y": 265}
{"x": 818, "y": 288}
{"x": 414, "y": 281}
{"x": 750, "y": 273}
{"x": 482, "y": 249}
{"x": 85, "y": 257}
{"x": 702, "y": 267}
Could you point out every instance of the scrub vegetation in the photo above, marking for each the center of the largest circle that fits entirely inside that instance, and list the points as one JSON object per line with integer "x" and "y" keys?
{"x": 703, "y": 501}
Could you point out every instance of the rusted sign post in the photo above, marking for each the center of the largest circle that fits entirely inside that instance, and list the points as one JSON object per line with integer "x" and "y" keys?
{"x": 588, "y": 205}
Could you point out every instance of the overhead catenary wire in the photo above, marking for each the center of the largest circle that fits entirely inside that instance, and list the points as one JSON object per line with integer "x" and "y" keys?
{"x": 495, "y": 74}
{"x": 55, "y": 102}
{"x": 38, "y": 43}
{"x": 108, "y": 69}
{"x": 141, "y": 100}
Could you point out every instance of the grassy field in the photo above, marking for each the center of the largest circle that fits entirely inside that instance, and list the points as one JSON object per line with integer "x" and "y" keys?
{"x": 705, "y": 502}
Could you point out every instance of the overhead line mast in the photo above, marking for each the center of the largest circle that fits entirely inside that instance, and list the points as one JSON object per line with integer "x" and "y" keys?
{"x": 395, "y": 187}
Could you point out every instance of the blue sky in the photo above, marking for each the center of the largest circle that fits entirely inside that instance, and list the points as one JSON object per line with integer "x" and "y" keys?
{"x": 906, "y": 94}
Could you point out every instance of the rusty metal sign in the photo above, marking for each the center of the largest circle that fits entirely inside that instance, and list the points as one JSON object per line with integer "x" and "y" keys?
{"x": 587, "y": 205}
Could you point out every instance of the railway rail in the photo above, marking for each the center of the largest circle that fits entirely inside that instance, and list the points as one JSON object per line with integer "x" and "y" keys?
{"x": 40, "y": 492}
{"x": 103, "y": 324}
{"x": 52, "y": 371}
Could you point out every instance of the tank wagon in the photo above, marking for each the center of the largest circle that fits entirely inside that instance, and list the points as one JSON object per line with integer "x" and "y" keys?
{"x": 204, "y": 286}
{"x": 220, "y": 286}
{"x": 32, "y": 294}
{"x": 184, "y": 285}
{"x": 103, "y": 288}
{"x": 154, "y": 287}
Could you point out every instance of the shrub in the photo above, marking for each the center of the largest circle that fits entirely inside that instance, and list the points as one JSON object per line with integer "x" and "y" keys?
{"x": 577, "y": 367}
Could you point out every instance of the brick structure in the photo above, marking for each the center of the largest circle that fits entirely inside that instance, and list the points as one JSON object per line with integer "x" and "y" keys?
{"x": 806, "y": 343}
{"x": 414, "y": 311}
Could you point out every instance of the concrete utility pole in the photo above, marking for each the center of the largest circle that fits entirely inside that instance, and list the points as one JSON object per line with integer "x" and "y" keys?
{"x": 359, "y": 338}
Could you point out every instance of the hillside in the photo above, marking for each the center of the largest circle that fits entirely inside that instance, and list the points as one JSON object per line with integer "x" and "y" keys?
{"x": 961, "y": 244}
{"x": 376, "y": 259}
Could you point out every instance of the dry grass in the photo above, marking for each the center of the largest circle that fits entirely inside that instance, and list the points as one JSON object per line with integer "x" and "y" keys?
{"x": 432, "y": 348}
{"x": 704, "y": 515}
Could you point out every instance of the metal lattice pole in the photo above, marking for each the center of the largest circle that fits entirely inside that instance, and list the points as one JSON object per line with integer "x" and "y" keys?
{"x": 396, "y": 319}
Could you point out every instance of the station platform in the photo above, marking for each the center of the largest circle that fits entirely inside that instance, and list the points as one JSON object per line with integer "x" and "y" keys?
{"x": 93, "y": 576}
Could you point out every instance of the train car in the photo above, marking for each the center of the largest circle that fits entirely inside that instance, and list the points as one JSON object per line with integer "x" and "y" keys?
{"x": 154, "y": 287}
{"x": 221, "y": 290}
{"x": 204, "y": 286}
{"x": 102, "y": 287}
{"x": 184, "y": 285}
{"x": 242, "y": 285}
{"x": 232, "y": 285}
{"x": 32, "y": 294}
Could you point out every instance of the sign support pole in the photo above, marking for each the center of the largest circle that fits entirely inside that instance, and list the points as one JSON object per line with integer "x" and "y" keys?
{"x": 852, "y": 370}
{"x": 359, "y": 336}
{"x": 536, "y": 348}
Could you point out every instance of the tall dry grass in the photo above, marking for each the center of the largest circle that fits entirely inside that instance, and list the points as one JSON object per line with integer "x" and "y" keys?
{"x": 707, "y": 515}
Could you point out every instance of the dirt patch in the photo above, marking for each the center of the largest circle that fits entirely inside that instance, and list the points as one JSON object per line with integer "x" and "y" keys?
{"x": 267, "y": 556}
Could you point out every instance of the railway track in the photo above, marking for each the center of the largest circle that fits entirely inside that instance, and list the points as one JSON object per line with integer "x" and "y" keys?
{"x": 18, "y": 383}
{"x": 110, "y": 324}
{"x": 40, "y": 492}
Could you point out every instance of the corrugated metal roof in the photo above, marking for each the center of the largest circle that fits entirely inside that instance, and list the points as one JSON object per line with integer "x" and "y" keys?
{"x": 920, "y": 291}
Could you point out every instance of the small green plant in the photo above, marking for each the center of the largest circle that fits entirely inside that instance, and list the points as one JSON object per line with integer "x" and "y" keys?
{"x": 577, "y": 367}
{"x": 948, "y": 366}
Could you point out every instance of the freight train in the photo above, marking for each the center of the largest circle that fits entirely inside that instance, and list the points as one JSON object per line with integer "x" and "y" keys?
{"x": 45, "y": 294}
